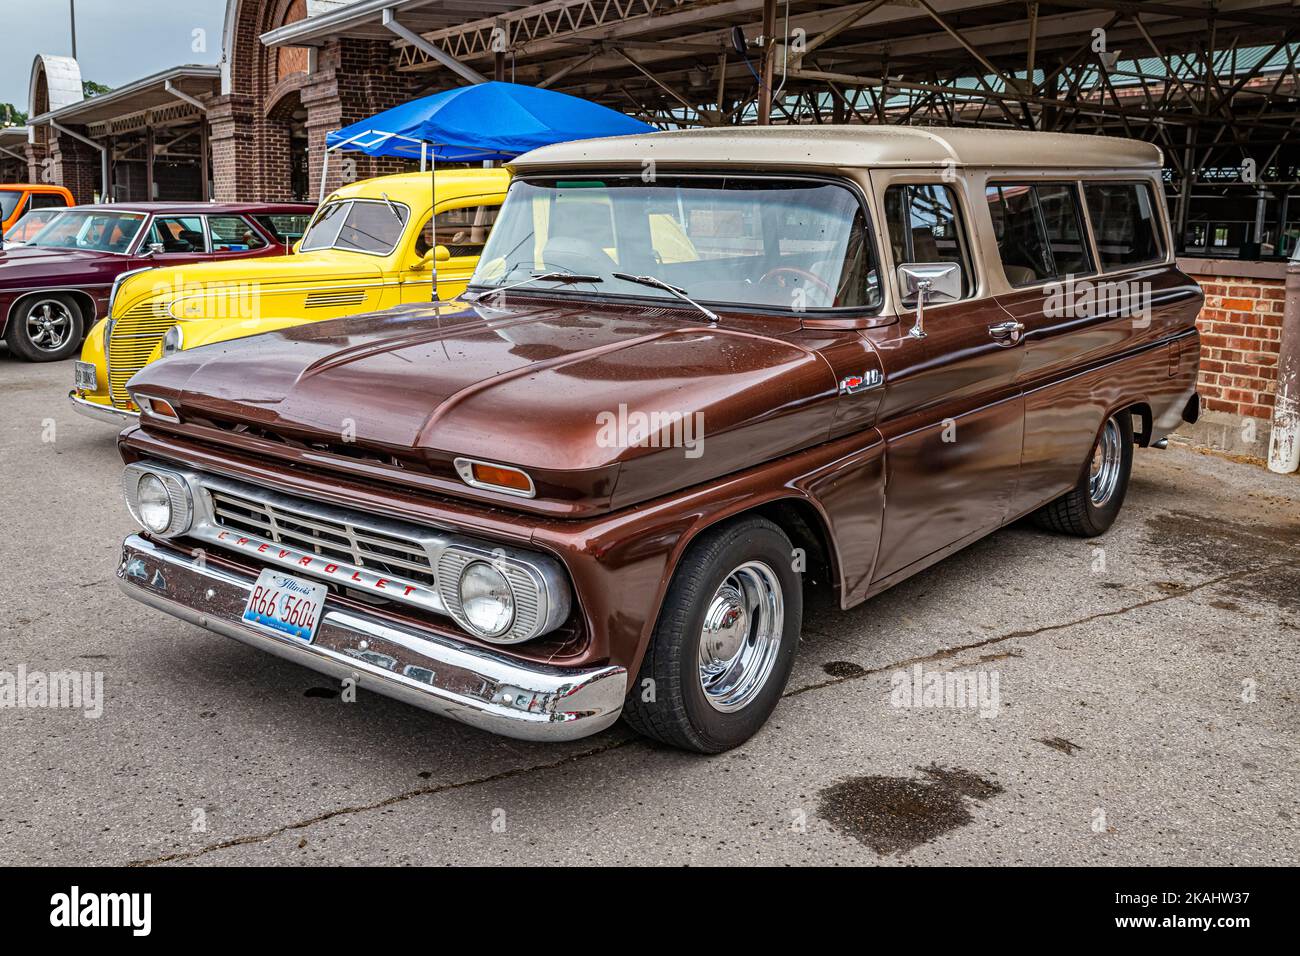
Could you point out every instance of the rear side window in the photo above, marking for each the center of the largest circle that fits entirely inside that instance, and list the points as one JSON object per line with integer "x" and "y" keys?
{"x": 1039, "y": 230}
{"x": 48, "y": 201}
{"x": 1124, "y": 224}
{"x": 285, "y": 227}
{"x": 233, "y": 234}
{"x": 925, "y": 226}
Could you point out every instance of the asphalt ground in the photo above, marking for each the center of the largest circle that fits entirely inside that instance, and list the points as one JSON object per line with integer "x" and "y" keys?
{"x": 1147, "y": 707}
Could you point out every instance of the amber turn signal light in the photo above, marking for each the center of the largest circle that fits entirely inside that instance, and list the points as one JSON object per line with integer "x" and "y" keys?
{"x": 482, "y": 474}
{"x": 158, "y": 407}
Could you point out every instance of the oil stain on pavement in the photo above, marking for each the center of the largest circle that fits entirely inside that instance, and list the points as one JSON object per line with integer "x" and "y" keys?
{"x": 898, "y": 814}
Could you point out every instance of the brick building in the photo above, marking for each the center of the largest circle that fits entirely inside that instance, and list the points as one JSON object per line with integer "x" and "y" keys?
{"x": 293, "y": 70}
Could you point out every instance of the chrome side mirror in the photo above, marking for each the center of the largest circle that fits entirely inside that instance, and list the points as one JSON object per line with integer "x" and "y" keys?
{"x": 153, "y": 249}
{"x": 923, "y": 282}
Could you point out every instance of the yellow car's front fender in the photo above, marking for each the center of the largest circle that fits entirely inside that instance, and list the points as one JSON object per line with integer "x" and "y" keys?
{"x": 92, "y": 352}
{"x": 211, "y": 331}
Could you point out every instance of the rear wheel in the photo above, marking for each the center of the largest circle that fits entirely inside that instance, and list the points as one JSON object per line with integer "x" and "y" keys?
{"x": 45, "y": 327}
{"x": 1090, "y": 508}
{"x": 725, "y": 641}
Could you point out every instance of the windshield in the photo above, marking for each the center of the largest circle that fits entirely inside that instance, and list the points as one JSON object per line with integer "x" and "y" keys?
{"x": 373, "y": 226}
{"x": 785, "y": 244}
{"x": 30, "y": 224}
{"x": 9, "y": 201}
{"x": 100, "y": 231}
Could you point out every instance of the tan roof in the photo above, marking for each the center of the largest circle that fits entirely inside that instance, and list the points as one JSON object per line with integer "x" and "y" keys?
{"x": 849, "y": 146}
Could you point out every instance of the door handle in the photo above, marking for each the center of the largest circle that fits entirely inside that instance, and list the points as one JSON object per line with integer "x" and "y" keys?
{"x": 1007, "y": 333}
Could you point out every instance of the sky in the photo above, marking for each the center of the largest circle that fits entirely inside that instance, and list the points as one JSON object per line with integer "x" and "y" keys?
{"x": 117, "y": 40}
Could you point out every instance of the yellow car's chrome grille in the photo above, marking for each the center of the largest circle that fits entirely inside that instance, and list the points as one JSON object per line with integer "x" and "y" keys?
{"x": 135, "y": 335}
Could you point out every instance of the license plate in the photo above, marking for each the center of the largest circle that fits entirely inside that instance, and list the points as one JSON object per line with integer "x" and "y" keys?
{"x": 84, "y": 373}
{"x": 286, "y": 605}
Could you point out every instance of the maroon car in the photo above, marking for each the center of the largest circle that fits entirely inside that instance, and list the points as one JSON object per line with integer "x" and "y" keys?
{"x": 54, "y": 287}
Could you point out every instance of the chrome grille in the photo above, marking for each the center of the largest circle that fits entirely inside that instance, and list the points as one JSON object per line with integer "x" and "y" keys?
{"x": 134, "y": 337}
{"x": 327, "y": 538}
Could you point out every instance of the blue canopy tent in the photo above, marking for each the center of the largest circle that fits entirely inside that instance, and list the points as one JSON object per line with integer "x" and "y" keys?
{"x": 479, "y": 123}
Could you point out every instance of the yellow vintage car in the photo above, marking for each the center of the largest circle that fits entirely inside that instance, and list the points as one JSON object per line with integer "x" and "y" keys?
{"x": 371, "y": 245}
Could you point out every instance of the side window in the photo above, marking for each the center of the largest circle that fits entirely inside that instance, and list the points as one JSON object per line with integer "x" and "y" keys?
{"x": 177, "y": 234}
{"x": 925, "y": 226}
{"x": 48, "y": 201}
{"x": 287, "y": 228}
{"x": 1124, "y": 224}
{"x": 463, "y": 231}
{"x": 1039, "y": 231}
{"x": 233, "y": 234}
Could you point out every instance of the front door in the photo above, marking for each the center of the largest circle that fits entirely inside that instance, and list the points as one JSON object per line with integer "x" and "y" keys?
{"x": 952, "y": 414}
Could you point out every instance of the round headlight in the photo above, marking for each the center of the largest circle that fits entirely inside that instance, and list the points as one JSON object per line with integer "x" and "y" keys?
{"x": 486, "y": 599}
{"x": 154, "y": 504}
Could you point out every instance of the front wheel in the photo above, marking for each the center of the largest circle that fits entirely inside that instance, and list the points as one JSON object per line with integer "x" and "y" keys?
{"x": 45, "y": 327}
{"x": 1090, "y": 508}
{"x": 724, "y": 645}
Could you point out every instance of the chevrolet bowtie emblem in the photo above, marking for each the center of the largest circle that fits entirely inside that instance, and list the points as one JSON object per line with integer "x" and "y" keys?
{"x": 852, "y": 384}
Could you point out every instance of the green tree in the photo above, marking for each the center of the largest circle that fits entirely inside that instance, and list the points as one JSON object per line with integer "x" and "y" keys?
{"x": 11, "y": 115}
{"x": 90, "y": 88}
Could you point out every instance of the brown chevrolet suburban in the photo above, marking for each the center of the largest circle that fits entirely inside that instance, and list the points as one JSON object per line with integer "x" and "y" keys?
{"x": 695, "y": 374}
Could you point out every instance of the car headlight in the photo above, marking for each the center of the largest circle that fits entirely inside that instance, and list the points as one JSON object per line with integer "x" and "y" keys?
{"x": 486, "y": 599}
{"x": 158, "y": 499}
{"x": 173, "y": 341}
{"x": 153, "y": 503}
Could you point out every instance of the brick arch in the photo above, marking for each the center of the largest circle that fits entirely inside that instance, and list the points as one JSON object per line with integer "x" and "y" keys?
{"x": 251, "y": 68}
{"x": 251, "y": 140}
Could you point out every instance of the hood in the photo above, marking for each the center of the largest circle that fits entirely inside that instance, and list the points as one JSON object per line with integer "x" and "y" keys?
{"x": 23, "y": 263}
{"x": 327, "y": 266}
{"x": 602, "y": 406}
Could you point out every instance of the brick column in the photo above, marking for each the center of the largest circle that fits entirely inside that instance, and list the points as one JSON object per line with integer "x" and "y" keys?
{"x": 232, "y": 138}
{"x": 1241, "y": 331}
{"x": 354, "y": 79}
{"x": 75, "y": 166}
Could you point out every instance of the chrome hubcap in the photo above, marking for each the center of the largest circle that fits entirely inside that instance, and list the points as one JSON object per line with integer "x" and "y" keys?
{"x": 1103, "y": 475}
{"x": 48, "y": 325}
{"x": 741, "y": 636}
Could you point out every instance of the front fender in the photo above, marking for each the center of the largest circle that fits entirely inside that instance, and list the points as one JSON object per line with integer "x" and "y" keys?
{"x": 92, "y": 352}
{"x": 211, "y": 331}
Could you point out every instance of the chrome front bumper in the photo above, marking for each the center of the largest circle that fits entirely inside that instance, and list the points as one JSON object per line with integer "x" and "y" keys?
{"x": 102, "y": 413}
{"x": 455, "y": 679}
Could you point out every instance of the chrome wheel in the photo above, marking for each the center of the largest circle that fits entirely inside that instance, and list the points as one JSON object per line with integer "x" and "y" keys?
{"x": 1107, "y": 459}
{"x": 741, "y": 636}
{"x": 49, "y": 325}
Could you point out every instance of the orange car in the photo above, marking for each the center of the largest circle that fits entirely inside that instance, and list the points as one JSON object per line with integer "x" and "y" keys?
{"x": 18, "y": 199}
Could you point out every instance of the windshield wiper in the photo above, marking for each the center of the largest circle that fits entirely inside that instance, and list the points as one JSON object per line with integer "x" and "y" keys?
{"x": 392, "y": 207}
{"x": 658, "y": 283}
{"x": 567, "y": 278}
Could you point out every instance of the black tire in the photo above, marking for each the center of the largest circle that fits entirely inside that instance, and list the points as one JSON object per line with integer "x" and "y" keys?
{"x": 60, "y": 339}
{"x": 1076, "y": 512}
{"x": 679, "y": 712}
